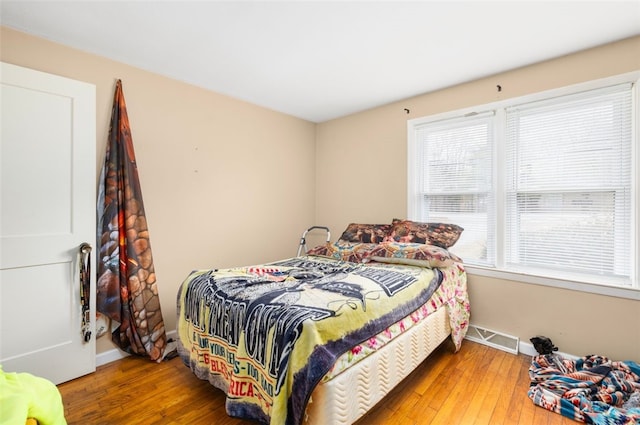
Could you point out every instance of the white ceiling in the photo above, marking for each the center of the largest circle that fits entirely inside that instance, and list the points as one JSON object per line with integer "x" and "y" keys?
{"x": 325, "y": 59}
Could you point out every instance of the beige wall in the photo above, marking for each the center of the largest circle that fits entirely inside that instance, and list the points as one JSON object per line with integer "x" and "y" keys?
{"x": 362, "y": 176}
{"x": 206, "y": 164}
{"x": 225, "y": 182}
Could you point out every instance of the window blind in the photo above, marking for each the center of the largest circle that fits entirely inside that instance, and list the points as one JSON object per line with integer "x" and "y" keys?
{"x": 569, "y": 183}
{"x": 455, "y": 181}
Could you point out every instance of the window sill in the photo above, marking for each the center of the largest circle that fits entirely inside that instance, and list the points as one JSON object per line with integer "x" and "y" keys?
{"x": 611, "y": 291}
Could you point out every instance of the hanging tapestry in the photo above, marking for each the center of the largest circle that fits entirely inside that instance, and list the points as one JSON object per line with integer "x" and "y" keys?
{"x": 127, "y": 290}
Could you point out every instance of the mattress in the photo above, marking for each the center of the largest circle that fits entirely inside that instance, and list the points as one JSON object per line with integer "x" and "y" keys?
{"x": 349, "y": 395}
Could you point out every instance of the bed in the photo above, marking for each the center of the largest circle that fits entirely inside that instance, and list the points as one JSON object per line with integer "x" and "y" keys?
{"x": 322, "y": 337}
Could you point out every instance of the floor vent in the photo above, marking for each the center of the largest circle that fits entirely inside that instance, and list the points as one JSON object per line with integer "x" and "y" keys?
{"x": 493, "y": 339}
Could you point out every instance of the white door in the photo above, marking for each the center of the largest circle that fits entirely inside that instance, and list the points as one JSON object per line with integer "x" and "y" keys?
{"x": 48, "y": 199}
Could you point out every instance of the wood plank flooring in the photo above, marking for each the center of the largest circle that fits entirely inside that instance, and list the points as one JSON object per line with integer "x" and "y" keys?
{"x": 478, "y": 385}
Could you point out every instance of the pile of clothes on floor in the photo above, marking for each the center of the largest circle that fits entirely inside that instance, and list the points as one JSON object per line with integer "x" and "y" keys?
{"x": 591, "y": 389}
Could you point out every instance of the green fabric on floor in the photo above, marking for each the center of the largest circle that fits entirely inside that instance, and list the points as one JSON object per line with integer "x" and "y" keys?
{"x": 23, "y": 396}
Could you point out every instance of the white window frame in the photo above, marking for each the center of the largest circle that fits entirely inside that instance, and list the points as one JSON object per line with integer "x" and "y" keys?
{"x": 499, "y": 271}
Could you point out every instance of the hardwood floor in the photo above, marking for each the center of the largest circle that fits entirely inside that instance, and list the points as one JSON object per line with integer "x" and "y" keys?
{"x": 478, "y": 385}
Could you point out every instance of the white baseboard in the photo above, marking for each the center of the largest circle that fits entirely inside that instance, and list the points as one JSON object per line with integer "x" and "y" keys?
{"x": 110, "y": 356}
{"x": 117, "y": 354}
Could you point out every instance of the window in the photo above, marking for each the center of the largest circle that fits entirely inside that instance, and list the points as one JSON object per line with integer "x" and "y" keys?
{"x": 543, "y": 185}
{"x": 455, "y": 177}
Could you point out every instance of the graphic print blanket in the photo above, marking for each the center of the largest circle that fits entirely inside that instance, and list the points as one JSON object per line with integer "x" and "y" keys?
{"x": 266, "y": 335}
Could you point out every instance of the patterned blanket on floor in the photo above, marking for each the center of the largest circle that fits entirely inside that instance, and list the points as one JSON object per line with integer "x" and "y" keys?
{"x": 591, "y": 389}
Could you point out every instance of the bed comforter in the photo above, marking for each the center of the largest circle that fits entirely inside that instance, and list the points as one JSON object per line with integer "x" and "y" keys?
{"x": 266, "y": 335}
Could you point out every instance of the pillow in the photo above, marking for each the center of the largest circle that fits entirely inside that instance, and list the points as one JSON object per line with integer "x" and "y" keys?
{"x": 439, "y": 234}
{"x": 365, "y": 233}
{"x": 353, "y": 252}
{"x": 413, "y": 254}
